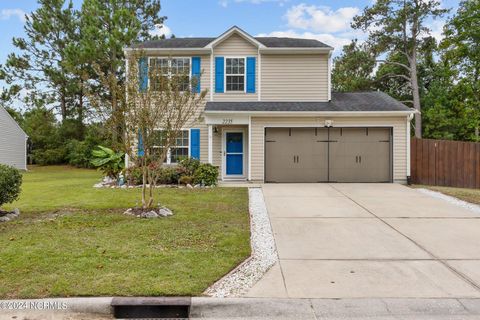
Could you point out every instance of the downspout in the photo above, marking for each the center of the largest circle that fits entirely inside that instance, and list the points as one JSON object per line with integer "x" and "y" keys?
{"x": 211, "y": 74}
{"x": 329, "y": 67}
{"x": 409, "y": 118}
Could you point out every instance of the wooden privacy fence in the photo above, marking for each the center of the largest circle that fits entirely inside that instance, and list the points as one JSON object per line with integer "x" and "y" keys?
{"x": 445, "y": 163}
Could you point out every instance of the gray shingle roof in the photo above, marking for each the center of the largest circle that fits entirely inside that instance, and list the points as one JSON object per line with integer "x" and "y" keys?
{"x": 270, "y": 42}
{"x": 175, "y": 43}
{"x": 274, "y": 42}
{"x": 349, "y": 101}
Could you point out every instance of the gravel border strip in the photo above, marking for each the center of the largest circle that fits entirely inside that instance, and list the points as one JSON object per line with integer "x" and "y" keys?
{"x": 264, "y": 253}
{"x": 450, "y": 199}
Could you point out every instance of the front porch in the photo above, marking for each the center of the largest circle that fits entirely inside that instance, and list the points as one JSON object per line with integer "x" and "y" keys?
{"x": 229, "y": 148}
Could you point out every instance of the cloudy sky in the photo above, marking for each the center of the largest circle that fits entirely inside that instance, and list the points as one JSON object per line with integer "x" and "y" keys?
{"x": 325, "y": 20}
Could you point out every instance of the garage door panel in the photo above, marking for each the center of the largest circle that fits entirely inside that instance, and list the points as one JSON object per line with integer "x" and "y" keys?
{"x": 334, "y": 154}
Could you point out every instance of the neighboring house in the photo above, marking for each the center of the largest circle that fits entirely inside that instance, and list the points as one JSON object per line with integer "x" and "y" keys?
{"x": 270, "y": 115}
{"x": 13, "y": 142}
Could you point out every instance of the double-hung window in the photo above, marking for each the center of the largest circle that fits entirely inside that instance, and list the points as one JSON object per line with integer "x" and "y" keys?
{"x": 235, "y": 74}
{"x": 178, "y": 150}
{"x": 176, "y": 68}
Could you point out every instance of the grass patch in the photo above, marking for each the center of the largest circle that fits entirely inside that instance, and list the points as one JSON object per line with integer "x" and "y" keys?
{"x": 469, "y": 195}
{"x": 73, "y": 240}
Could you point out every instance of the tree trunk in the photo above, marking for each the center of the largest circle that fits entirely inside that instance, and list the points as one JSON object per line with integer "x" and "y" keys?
{"x": 414, "y": 76}
{"x": 63, "y": 106}
{"x": 144, "y": 184}
{"x": 416, "y": 98}
{"x": 80, "y": 111}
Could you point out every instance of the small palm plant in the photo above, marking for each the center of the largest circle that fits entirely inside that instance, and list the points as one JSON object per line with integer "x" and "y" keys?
{"x": 111, "y": 163}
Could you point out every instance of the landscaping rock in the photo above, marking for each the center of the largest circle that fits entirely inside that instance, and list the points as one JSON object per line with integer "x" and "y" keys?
{"x": 189, "y": 186}
{"x": 264, "y": 253}
{"x": 153, "y": 213}
{"x": 149, "y": 214}
{"x": 165, "y": 212}
{"x": 9, "y": 215}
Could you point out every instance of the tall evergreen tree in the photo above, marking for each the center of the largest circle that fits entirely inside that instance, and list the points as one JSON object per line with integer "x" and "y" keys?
{"x": 107, "y": 27}
{"x": 399, "y": 26}
{"x": 353, "y": 69}
{"x": 38, "y": 68}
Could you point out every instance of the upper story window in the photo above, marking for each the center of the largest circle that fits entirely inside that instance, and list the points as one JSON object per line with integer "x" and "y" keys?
{"x": 235, "y": 74}
{"x": 169, "y": 67}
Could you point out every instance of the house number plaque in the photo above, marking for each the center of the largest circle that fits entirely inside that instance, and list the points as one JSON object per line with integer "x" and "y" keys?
{"x": 227, "y": 121}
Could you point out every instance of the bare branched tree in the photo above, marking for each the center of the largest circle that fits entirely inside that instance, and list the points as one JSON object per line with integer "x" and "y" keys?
{"x": 158, "y": 101}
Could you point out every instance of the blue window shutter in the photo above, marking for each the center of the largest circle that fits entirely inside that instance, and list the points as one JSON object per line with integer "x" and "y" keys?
{"x": 219, "y": 74}
{"x": 143, "y": 74}
{"x": 196, "y": 73}
{"x": 140, "y": 150}
{"x": 195, "y": 143}
{"x": 250, "y": 74}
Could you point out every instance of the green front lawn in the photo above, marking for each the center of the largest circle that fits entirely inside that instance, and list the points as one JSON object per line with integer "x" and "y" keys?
{"x": 469, "y": 195}
{"x": 73, "y": 240}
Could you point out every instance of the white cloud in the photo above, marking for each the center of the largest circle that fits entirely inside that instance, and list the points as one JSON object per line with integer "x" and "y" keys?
{"x": 436, "y": 28}
{"x": 224, "y": 3}
{"x": 6, "y": 14}
{"x": 320, "y": 18}
{"x": 161, "y": 30}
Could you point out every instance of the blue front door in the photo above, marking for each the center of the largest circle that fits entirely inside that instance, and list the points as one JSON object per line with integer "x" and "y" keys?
{"x": 234, "y": 153}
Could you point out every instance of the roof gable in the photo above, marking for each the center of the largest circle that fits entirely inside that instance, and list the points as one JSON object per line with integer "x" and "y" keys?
{"x": 4, "y": 114}
{"x": 230, "y": 32}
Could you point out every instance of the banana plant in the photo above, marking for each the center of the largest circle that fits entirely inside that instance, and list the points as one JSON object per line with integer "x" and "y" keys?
{"x": 111, "y": 163}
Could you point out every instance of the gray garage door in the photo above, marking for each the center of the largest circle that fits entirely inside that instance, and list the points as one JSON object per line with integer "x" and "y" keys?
{"x": 328, "y": 155}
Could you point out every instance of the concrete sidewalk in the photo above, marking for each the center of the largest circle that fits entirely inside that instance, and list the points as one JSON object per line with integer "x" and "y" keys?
{"x": 369, "y": 241}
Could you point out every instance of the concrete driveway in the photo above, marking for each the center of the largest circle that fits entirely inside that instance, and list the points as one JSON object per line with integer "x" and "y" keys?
{"x": 369, "y": 241}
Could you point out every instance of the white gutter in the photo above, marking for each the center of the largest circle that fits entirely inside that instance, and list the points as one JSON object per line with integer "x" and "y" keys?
{"x": 315, "y": 113}
{"x": 169, "y": 50}
{"x": 206, "y": 50}
{"x": 271, "y": 50}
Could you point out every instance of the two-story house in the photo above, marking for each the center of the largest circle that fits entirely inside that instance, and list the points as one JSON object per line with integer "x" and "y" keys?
{"x": 270, "y": 114}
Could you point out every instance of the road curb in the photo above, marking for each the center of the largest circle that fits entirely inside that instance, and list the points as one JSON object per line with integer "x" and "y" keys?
{"x": 87, "y": 305}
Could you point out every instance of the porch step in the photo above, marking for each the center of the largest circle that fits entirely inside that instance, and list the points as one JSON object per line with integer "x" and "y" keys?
{"x": 151, "y": 308}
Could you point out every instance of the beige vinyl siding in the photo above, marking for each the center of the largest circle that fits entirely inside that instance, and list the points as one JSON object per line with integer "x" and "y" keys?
{"x": 236, "y": 46}
{"x": 299, "y": 77}
{"x": 12, "y": 142}
{"x": 205, "y": 70}
{"x": 399, "y": 125}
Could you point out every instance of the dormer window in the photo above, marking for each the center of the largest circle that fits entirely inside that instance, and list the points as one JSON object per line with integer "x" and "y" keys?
{"x": 235, "y": 74}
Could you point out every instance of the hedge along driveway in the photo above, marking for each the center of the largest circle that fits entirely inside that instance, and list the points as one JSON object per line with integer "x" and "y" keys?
{"x": 73, "y": 240}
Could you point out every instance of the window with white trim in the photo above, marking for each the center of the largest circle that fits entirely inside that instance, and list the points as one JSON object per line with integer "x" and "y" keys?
{"x": 169, "y": 67}
{"x": 178, "y": 151}
{"x": 235, "y": 74}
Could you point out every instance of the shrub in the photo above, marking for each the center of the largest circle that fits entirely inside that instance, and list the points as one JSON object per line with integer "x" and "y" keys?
{"x": 185, "y": 180}
{"x": 188, "y": 166}
{"x": 10, "y": 183}
{"x": 134, "y": 176}
{"x": 168, "y": 175}
{"x": 206, "y": 174}
{"x": 79, "y": 154}
{"x": 49, "y": 156}
{"x": 111, "y": 163}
